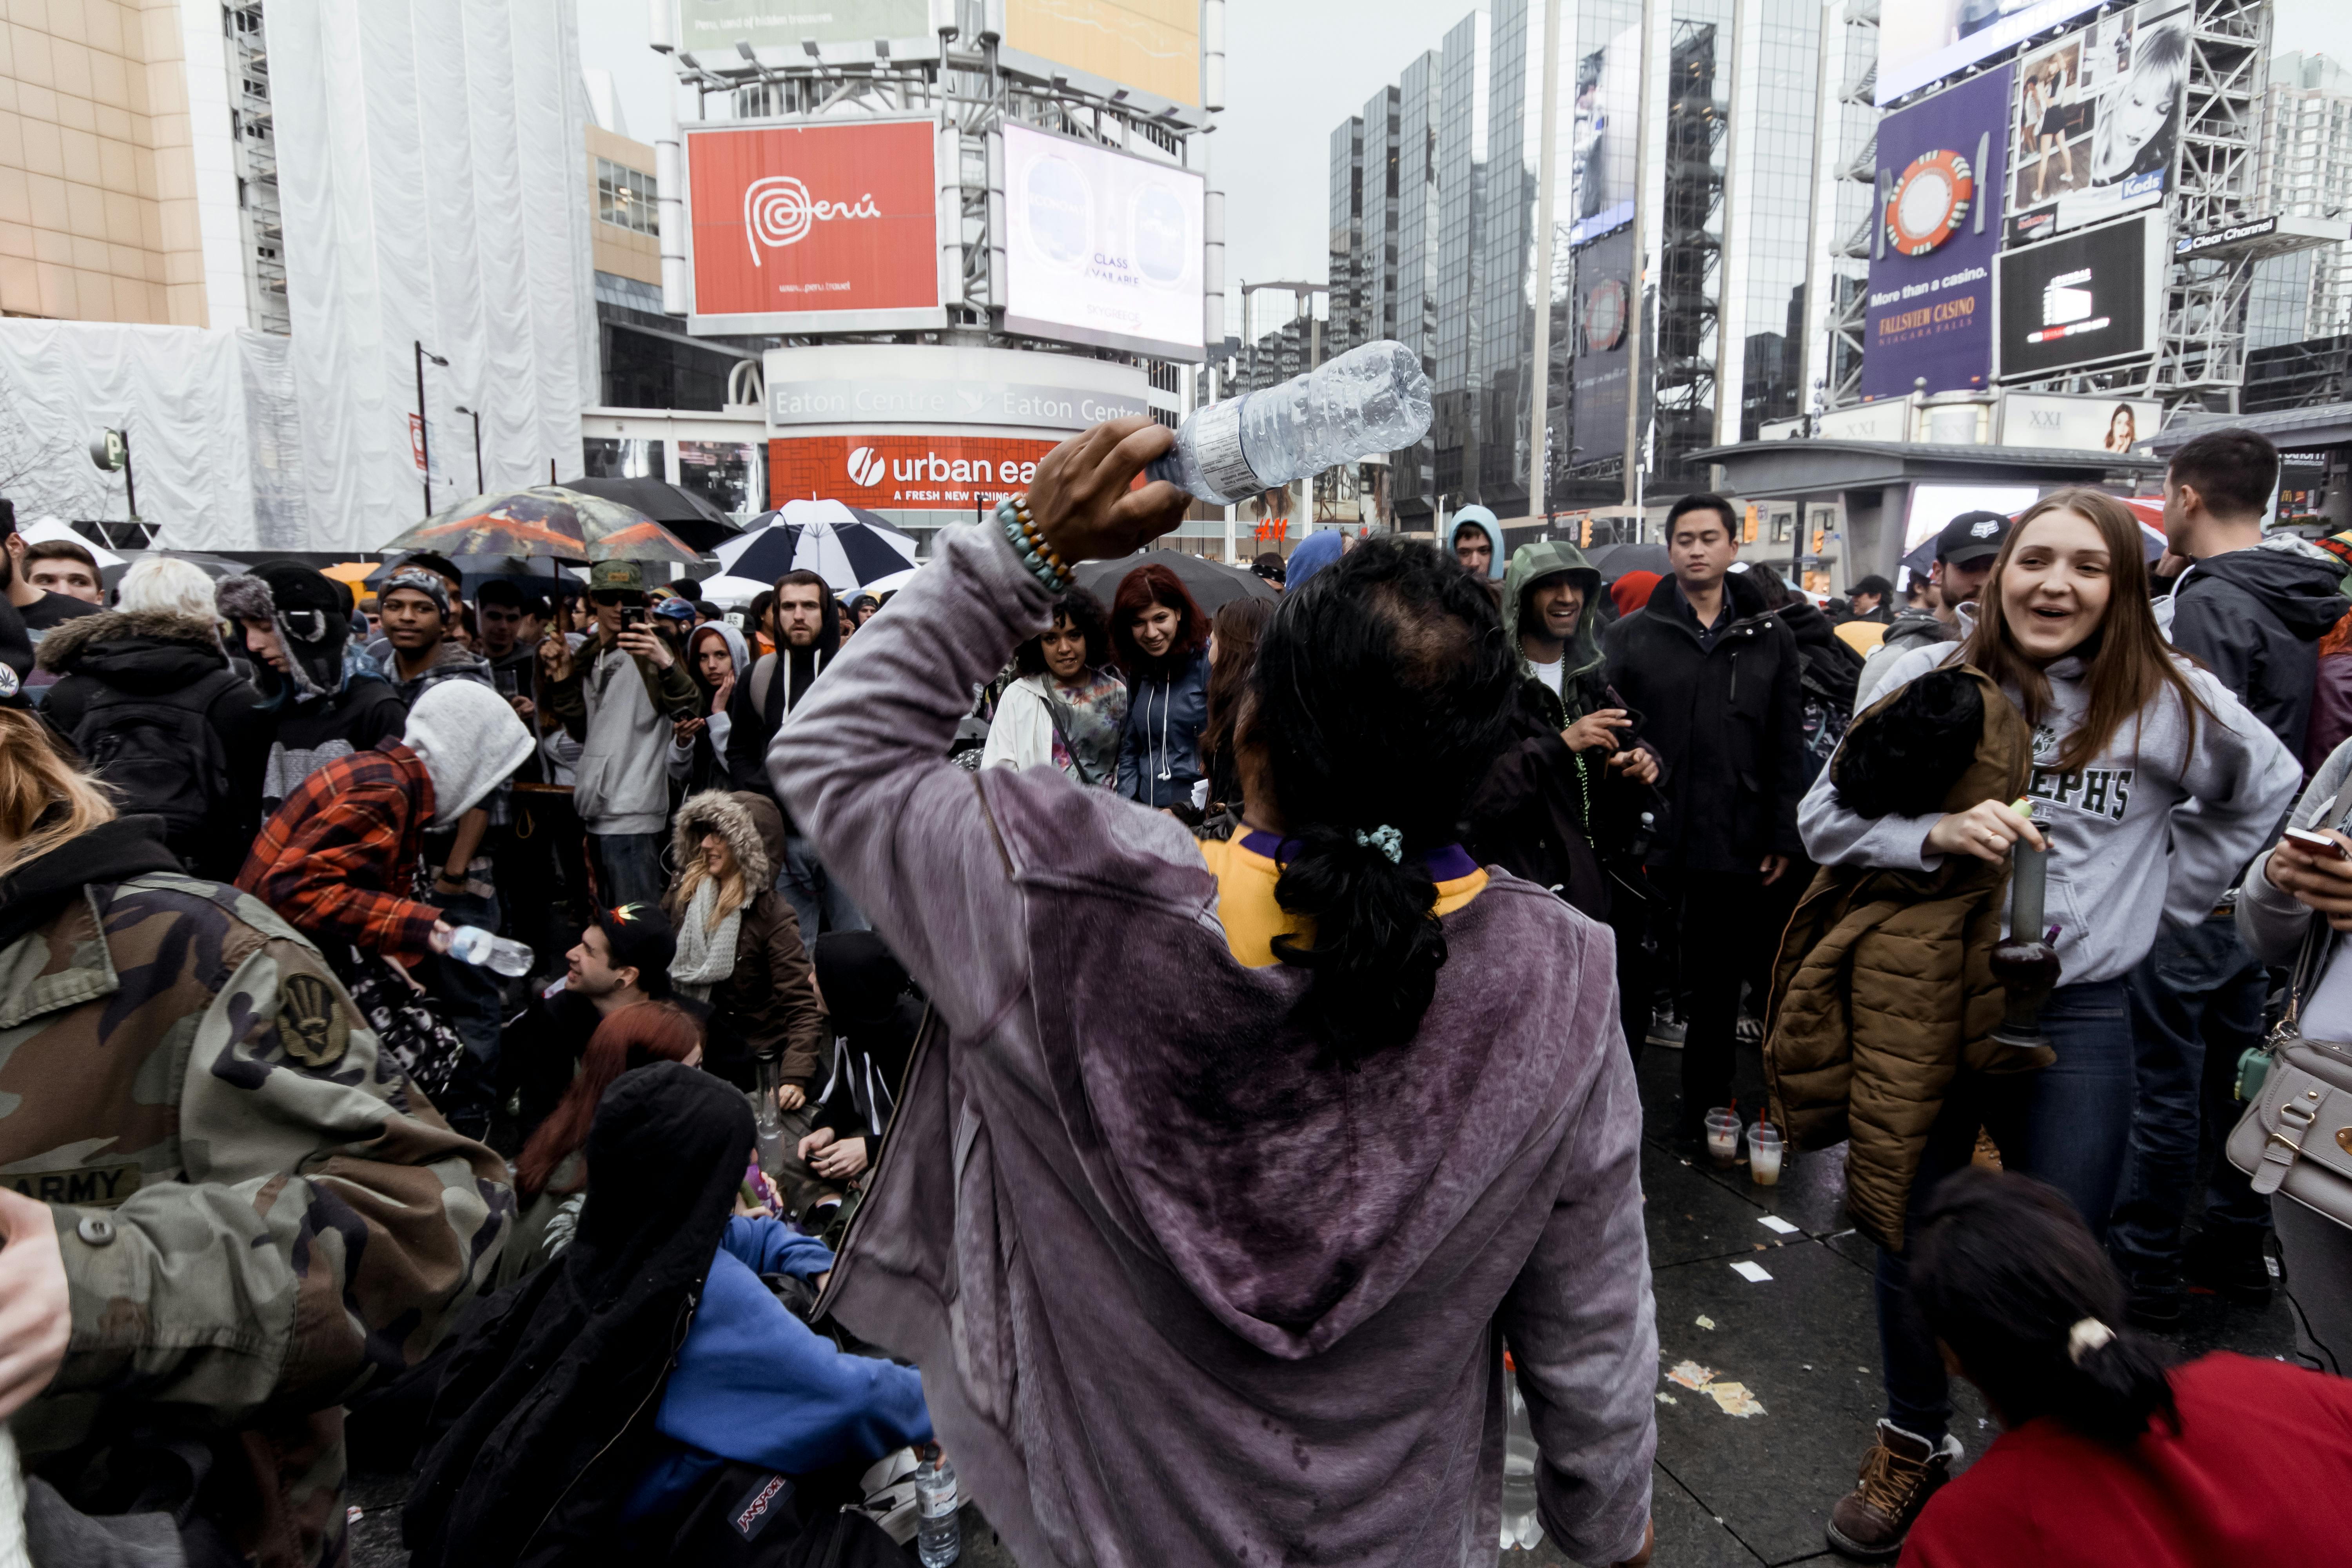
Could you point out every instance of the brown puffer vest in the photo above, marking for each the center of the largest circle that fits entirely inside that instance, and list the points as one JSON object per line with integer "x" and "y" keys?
{"x": 1884, "y": 991}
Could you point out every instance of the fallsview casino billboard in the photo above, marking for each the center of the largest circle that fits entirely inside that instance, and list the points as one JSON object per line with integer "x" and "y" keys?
{"x": 813, "y": 226}
{"x": 1933, "y": 233}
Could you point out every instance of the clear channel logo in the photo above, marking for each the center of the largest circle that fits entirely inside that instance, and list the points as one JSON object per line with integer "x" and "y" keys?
{"x": 778, "y": 211}
{"x": 866, "y": 468}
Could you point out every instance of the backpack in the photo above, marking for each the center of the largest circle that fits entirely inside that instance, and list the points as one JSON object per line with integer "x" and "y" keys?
{"x": 160, "y": 754}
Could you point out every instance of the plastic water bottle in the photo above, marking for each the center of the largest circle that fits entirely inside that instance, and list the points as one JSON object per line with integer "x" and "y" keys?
{"x": 472, "y": 944}
{"x": 1371, "y": 399}
{"x": 1520, "y": 1527}
{"x": 939, "y": 1533}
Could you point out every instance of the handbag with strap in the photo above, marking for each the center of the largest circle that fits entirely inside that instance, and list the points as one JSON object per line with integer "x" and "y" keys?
{"x": 2295, "y": 1137}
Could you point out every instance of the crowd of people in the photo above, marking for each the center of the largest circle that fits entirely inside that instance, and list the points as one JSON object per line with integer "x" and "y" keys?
{"x": 461, "y": 1018}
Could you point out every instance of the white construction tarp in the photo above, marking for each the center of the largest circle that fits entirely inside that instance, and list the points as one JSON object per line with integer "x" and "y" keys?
{"x": 211, "y": 418}
{"x": 432, "y": 170}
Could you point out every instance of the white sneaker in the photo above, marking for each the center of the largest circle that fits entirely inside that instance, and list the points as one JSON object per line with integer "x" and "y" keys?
{"x": 1666, "y": 1030}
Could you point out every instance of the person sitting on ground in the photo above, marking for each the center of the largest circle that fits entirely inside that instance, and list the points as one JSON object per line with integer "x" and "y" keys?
{"x": 758, "y": 1426}
{"x": 1235, "y": 632}
{"x": 552, "y": 1174}
{"x": 717, "y": 657}
{"x": 246, "y": 1215}
{"x": 2108, "y": 1453}
{"x": 1160, "y": 638}
{"x": 1167, "y": 1132}
{"x": 876, "y": 1015}
{"x": 622, "y": 959}
{"x": 62, "y": 566}
{"x": 739, "y": 948}
{"x": 147, "y": 698}
{"x": 319, "y": 694}
{"x": 1069, "y": 707}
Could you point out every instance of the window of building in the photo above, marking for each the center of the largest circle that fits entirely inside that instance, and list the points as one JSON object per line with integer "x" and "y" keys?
{"x": 1783, "y": 527}
{"x": 625, "y": 197}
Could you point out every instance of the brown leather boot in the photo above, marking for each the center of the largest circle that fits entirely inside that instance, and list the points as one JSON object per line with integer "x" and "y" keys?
{"x": 1898, "y": 1475}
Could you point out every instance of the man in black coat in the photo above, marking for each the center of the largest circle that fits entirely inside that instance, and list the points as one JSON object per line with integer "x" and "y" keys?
{"x": 1715, "y": 676}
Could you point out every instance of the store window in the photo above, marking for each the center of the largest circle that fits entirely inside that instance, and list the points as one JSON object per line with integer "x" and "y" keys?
{"x": 1783, "y": 527}
{"x": 724, "y": 473}
{"x": 619, "y": 457}
{"x": 625, "y": 197}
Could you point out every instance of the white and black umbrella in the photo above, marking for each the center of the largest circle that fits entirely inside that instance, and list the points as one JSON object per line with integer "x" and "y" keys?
{"x": 846, "y": 549}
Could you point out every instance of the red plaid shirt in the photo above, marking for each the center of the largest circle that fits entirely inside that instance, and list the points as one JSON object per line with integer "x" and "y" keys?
{"x": 338, "y": 857}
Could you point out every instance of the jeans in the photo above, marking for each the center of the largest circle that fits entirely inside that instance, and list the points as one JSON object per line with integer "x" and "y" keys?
{"x": 815, "y": 895}
{"x": 2197, "y": 1004}
{"x": 2067, "y": 1124}
{"x": 469, "y": 995}
{"x": 1716, "y": 915}
{"x": 628, "y": 867}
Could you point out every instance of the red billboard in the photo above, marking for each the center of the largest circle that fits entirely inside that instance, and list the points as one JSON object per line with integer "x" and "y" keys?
{"x": 944, "y": 473}
{"x": 813, "y": 226}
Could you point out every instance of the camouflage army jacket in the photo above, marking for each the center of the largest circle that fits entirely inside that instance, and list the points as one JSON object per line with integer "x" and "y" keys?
{"x": 256, "y": 1215}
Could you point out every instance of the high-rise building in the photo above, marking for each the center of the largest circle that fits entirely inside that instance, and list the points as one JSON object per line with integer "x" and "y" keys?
{"x": 2306, "y": 172}
{"x": 1643, "y": 153}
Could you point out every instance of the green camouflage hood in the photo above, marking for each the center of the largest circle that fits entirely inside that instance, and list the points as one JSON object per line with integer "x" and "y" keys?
{"x": 1532, "y": 561}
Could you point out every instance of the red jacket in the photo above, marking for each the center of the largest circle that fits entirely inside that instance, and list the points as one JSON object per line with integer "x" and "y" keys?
{"x": 339, "y": 856}
{"x": 2260, "y": 1471}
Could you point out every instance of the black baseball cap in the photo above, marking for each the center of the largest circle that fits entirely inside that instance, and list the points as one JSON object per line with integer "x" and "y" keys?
{"x": 1971, "y": 537}
{"x": 642, "y": 938}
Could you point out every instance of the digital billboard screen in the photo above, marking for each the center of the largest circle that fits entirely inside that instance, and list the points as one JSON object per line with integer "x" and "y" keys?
{"x": 1936, "y": 226}
{"x": 2081, "y": 299}
{"x": 823, "y": 226}
{"x": 2098, "y": 120}
{"x": 1604, "y": 136}
{"x": 1601, "y": 358}
{"x": 1101, "y": 247}
{"x": 1920, "y": 41}
{"x": 1153, "y": 46}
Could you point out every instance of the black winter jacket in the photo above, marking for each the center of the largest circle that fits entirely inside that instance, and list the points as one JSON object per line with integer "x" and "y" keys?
{"x": 2254, "y": 618}
{"x": 1726, "y": 720}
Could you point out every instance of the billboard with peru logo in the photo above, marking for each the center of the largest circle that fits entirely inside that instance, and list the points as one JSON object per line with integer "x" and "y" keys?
{"x": 915, "y": 473}
{"x": 816, "y": 226}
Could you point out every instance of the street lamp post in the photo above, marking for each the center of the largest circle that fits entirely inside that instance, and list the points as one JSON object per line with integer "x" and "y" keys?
{"x": 479, "y": 488}
{"x": 424, "y": 425}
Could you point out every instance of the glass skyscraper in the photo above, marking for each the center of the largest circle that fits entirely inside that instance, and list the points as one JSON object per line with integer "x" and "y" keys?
{"x": 1714, "y": 300}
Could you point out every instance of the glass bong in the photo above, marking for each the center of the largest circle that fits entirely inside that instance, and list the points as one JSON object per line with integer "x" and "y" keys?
{"x": 2025, "y": 963}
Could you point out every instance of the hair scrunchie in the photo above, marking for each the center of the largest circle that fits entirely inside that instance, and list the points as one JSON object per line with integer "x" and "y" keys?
{"x": 1385, "y": 839}
{"x": 2088, "y": 1334}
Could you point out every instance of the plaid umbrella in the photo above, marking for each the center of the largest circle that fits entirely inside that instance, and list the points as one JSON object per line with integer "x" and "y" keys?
{"x": 545, "y": 520}
{"x": 820, "y": 536}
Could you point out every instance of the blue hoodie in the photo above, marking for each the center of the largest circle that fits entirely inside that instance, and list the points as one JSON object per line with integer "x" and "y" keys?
{"x": 1487, "y": 523}
{"x": 1315, "y": 551}
{"x": 755, "y": 1383}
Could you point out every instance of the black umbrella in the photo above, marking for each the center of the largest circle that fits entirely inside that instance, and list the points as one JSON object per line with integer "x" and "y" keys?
{"x": 690, "y": 516}
{"x": 1614, "y": 560}
{"x": 1212, "y": 583}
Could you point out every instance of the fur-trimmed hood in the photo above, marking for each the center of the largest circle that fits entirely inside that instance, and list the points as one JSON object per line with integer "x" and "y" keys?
{"x": 751, "y": 823}
{"x": 137, "y": 650}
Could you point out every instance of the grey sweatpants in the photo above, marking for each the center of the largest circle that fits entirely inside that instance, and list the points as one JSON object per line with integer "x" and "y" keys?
{"x": 2317, "y": 1258}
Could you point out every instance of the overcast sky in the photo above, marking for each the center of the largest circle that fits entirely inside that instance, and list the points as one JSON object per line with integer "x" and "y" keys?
{"x": 1294, "y": 69}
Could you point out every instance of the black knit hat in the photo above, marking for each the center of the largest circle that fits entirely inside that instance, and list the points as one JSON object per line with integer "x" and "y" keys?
{"x": 641, "y": 939}
{"x": 311, "y": 612}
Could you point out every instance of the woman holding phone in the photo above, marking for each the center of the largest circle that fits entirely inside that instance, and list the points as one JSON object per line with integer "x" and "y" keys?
{"x": 2150, "y": 787}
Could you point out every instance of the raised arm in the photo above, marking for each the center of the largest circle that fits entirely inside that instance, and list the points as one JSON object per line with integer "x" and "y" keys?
{"x": 862, "y": 766}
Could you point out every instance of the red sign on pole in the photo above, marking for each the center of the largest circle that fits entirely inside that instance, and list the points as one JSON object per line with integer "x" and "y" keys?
{"x": 416, "y": 441}
{"x": 819, "y": 226}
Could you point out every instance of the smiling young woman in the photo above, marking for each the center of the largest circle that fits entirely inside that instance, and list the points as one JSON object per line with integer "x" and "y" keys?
{"x": 2150, "y": 787}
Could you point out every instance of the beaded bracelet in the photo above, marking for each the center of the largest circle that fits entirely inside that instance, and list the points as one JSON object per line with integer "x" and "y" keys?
{"x": 1020, "y": 532}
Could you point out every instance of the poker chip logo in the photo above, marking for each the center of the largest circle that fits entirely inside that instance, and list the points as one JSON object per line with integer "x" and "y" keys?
{"x": 1929, "y": 202}
{"x": 1604, "y": 315}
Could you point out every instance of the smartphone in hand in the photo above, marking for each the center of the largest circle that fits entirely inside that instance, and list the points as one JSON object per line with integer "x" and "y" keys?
{"x": 2318, "y": 843}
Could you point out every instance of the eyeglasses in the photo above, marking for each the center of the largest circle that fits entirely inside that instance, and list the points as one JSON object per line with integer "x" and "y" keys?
{"x": 611, "y": 596}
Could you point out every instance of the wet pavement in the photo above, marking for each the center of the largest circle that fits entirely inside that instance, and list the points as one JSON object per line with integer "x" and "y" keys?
{"x": 1801, "y": 1345}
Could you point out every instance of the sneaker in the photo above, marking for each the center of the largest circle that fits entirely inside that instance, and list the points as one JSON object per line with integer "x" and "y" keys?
{"x": 1898, "y": 1475}
{"x": 1749, "y": 1030}
{"x": 2155, "y": 1300}
{"x": 2230, "y": 1263}
{"x": 1666, "y": 1030}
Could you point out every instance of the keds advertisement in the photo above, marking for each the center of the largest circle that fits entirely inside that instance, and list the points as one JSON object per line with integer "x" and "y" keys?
{"x": 813, "y": 226}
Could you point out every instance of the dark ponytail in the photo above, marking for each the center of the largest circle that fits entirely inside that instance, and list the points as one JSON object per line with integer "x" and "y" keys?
{"x": 2006, "y": 1273}
{"x": 1381, "y": 698}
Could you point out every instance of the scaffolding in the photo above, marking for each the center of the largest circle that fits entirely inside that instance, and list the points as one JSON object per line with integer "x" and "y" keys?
{"x": 1843, "y": 276}
{"x": 1690, "y": 254}
{"x": 253, "y": 128}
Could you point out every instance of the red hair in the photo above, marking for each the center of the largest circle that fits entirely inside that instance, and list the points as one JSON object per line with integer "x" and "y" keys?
{"x": 1148, "y": 584}
{"x": 637, "y": 1035}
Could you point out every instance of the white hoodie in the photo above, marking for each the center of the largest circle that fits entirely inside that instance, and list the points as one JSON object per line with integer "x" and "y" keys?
{"x": 468, "y": 739}
{"x": 2144, "y": 834}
